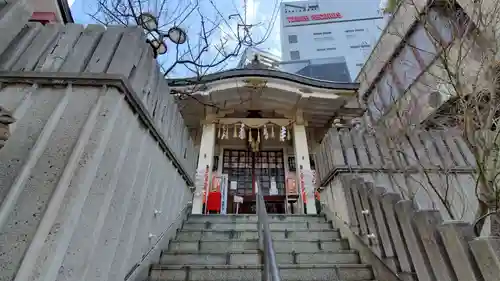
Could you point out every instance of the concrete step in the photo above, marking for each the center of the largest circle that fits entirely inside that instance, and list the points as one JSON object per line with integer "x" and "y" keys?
{"x": 195, "y": 235}
{"x": 298, "y": 246}
{"x": 317, "y": 272}
{"x": 253, "y": 226}
{"x": 254, "y": 258}
{"x": 253, "y": 218}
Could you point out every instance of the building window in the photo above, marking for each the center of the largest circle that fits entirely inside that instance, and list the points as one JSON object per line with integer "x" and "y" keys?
{"x": 354, "y": 30}
{"x": 292, "y": 39}
{"x": 362, "y": 45}
{"x": 215, "y": 166}
{"x": 294, "y": 55}
{"x": 326, "y": 49}
{"x": 327, "y": 38}
{"x": 291, "y": 164}
{"x": 311, "y": 162}
{"x": 322, "y": 33}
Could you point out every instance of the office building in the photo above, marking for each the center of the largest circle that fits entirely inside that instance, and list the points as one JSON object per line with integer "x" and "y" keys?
{"x": 328, "y": 40}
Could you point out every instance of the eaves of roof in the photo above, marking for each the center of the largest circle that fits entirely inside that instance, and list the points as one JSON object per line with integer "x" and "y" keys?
{"x": 265, "y": 73}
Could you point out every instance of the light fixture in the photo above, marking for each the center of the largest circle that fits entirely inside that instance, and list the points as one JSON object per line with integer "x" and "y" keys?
{"x": 177, "y": 35}
{"x": 156, "y": 38}
{"x": 157, "y": 42}
{"x": 148, "y": 21}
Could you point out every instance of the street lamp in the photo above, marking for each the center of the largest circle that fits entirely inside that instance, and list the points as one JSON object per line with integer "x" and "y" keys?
{"x": 156, "y": 38}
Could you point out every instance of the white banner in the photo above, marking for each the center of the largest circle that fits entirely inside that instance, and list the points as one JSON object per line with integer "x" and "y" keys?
{"x": 234, "y": 185}
{"x": 273, "y": 190}
{"x": 224, "y": 193}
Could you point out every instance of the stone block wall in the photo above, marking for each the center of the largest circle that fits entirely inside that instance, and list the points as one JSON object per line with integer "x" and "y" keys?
{"x": 415, "y": 244}
{"x": 435, "y": 169}
{"x": 96, "y": 174}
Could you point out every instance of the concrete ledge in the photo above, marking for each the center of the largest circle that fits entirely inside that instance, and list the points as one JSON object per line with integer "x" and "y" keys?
{"x": 100, "y": 79}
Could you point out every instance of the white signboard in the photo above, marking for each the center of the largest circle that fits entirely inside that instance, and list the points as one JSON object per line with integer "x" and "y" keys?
{"x": 223, "y": 192}
{"x": 234, "y": 184}
{"x": 273, "y": 190}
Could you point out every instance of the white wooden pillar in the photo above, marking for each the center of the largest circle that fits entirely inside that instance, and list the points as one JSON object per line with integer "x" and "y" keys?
{"x": 205, "y": 163}
{"x": 303, "y": 166}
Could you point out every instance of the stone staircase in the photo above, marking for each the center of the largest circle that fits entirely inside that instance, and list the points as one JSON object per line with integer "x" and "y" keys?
{"x": 218, "y": 247}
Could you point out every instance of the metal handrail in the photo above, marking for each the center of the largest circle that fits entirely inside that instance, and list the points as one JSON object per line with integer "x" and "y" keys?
{"x": 271, "y": 271}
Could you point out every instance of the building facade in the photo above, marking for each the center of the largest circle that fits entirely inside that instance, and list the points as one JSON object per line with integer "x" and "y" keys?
{"x": 332, "y": 36}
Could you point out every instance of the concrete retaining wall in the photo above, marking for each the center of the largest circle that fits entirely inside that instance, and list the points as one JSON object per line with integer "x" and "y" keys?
{"x": 415, "y": 244}
{"x": 115, "y": 50}
{"x": 99, "y": 163}
{"x": 431, "y": 168}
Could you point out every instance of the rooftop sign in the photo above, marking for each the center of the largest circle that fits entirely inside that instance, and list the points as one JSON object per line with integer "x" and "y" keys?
{"x": 326, "y": 16}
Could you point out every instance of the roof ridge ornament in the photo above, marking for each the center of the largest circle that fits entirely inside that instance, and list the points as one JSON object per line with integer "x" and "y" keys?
{"x": 256, "y": 63}
{"x": 255, "y": 83}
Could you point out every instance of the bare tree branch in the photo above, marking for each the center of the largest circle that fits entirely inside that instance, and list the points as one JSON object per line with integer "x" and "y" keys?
{"x": 457, "y": 85}
{"x": 211, "y": 33}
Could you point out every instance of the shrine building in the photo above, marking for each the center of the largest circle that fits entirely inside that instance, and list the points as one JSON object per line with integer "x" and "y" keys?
{"x": 256, "y": 129}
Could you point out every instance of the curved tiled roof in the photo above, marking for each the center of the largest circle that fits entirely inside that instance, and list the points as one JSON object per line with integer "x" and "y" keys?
{"x": 269, "y": 73}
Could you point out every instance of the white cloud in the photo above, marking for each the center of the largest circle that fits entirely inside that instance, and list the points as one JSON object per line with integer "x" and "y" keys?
{"x": 70, "y": 2}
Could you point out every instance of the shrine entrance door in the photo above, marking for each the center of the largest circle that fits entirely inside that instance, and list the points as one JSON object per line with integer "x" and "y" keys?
{"x": 245, "y": 169}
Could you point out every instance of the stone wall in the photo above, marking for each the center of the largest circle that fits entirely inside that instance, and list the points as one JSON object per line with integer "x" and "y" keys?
{"x": 413, "y": 243}
{"x": 96, "y": 174}
{"x": 433, "y": 168}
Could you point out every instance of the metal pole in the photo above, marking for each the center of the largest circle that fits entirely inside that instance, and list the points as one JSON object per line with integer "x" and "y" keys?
{"x": 270, "y": 270}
